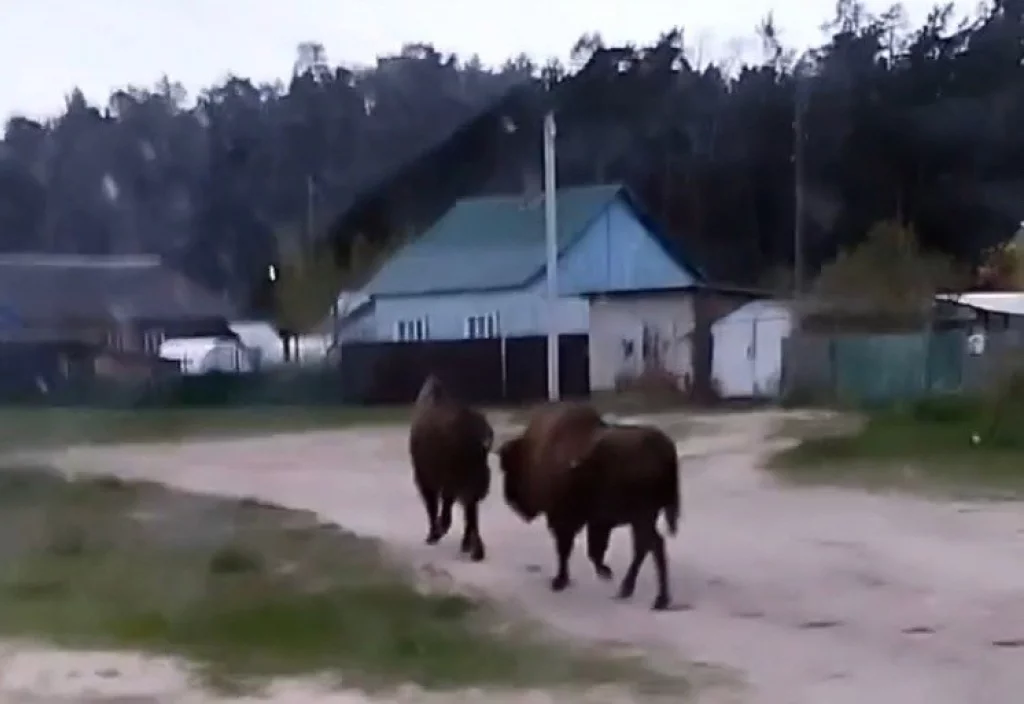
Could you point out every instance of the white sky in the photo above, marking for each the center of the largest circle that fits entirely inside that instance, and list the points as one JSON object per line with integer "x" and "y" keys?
{"x": 49, "y": 46}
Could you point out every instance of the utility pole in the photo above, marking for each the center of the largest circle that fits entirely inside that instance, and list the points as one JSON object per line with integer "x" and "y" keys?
{"x": 308, "y": 233}
{"x": 307, "y": 237}
{"x": 551, "y": 246}
{"x": 799, "y": 105}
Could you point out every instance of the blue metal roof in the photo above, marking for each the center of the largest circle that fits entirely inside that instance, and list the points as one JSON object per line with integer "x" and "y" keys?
{"x": 488, "y": 243}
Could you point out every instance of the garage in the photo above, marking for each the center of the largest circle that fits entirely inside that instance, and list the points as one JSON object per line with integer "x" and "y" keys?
{"x": 747, "y": 350}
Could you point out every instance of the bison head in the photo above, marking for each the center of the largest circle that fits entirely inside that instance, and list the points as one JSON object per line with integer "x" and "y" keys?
{"x": 512, "y": 459}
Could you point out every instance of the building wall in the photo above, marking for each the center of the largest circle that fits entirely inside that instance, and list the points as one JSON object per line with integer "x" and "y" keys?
{"x": 360, "y": 327}
{"x": 619, "y": 253}
{"x": 615, "y": 253}
{"x": 629, "y": 333}
{"x": 518, "y": 313}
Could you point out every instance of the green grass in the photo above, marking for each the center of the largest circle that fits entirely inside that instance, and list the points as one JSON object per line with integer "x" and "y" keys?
{"x": 245, "y": 589}
{"x": 924, "y": 445}
{"x": 48, "y": 427}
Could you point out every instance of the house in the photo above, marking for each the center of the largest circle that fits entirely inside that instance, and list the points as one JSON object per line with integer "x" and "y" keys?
{"x": 127, "y": 304}
{"x": 479, "y": 271}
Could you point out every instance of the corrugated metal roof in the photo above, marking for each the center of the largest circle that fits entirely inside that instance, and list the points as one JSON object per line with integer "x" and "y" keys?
{"x": 1010, "y": 302}
{"x": 55, "y": 286}
{"x": 488, "y": 243}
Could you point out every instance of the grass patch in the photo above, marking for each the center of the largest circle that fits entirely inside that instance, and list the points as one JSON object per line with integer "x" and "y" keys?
{"x": 245, "y": 589}
{"x": 48, "y": 427}
{"x": 953, "y": 443}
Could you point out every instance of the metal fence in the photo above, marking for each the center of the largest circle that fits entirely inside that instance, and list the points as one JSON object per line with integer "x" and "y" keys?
{"x": 884, "y": 368}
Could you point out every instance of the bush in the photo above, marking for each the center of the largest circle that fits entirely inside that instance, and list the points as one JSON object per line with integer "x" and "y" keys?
{"x": 947, "y": 408}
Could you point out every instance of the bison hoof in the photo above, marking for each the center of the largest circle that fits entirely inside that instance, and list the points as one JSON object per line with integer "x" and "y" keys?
{"x": 559, "y": 583}
{"x": 625, "y": 591}
{"x": 475, "y": 550}
{"x": 604, "y": 572}
{"x": 434, "y": 537}
{"x": 661, "y": 603}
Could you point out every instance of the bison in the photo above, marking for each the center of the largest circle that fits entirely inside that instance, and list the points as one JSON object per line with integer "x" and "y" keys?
{"x": 449, "y": 444}
{"x": 578, "y": 470}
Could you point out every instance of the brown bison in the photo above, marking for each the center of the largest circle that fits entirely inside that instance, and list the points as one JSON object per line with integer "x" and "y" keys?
{"x": 580, "y": 471}
{"x": 449, "y": 444}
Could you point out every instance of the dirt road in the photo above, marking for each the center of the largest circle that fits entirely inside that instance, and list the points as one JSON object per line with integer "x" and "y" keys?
{"x": 810, "y": 596}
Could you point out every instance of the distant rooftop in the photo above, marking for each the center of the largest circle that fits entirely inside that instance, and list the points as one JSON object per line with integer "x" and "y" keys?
{"x": 103, "y": 261}
{"x": 45, "y": 286}
{"x": 1009, "y": 302}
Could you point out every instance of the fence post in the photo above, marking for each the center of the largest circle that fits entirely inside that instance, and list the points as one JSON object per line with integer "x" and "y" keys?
{"x": 833, "y": 367}
{"x": 926, "y": 389}
{"x": 504, "y": 369}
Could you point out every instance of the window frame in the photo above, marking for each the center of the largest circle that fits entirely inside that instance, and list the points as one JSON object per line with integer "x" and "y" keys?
{"x": 482, "y": 326}
{"x": 412, "y": 329}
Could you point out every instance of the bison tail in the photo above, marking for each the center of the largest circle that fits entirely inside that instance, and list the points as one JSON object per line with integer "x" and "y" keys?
{"x": 672, "y": 517}
{"x": 673, "y": 507}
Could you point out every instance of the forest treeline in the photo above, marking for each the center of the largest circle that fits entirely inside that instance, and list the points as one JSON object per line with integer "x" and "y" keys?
{"x": 918, "y": 125}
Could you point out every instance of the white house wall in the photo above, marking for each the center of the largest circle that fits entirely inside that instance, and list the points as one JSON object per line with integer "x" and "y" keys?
{"x": 520, "y": 313}
{"x": 619, "y": 323}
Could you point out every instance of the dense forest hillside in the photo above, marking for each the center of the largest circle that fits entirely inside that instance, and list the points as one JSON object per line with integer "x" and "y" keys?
{"x": 923, "y": 126}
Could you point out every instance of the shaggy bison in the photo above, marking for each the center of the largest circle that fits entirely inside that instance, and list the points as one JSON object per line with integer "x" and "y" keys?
{"x": 449, "y": 444}
{"x": 580, "y": 471}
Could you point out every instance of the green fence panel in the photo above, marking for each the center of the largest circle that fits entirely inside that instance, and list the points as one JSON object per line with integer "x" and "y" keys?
{"x": 946, "y": 362}
{"x": 880, "y": 368}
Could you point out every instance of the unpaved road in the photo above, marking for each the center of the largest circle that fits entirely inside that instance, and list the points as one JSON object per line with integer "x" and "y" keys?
{"x": 812, "y": 596}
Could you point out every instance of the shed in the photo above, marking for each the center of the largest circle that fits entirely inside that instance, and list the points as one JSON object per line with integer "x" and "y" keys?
{"x": 746, "y": 359}
{"x": 202, "y": 355}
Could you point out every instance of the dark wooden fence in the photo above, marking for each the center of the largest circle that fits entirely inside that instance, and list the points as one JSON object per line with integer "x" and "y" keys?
{"x": 369, "y": 373}
{"x": 513, "y": 370}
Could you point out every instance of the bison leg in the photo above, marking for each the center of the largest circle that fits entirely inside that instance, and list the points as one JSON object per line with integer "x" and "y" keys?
{"x": 663, "y": 599}
{"x": 472, "y": 543}
{"x": 641, "y": 546}
{"x": 597, "y": 546}
{"x": 444, "y": 522}
{"x": 564, "y": 536}
{"x": 430, "y": 502}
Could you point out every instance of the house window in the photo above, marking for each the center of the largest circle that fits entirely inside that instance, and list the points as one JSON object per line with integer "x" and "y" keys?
{"x": 151, "y": 341}
{"x": 482, "y": 326}
{"x": 412, "y": 330}
{"x": 114, "y": 339}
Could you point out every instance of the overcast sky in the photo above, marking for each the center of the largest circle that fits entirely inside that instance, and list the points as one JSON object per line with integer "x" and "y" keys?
{"x": 49, "y": 46}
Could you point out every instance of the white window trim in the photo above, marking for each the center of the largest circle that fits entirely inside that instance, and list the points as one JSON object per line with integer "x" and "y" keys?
{"x": 412, "y": 330}
{"x": 152, "y": 340}
{"x": 482, "y": 327}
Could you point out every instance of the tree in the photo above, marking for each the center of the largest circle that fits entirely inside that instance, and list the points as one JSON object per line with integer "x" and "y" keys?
{"x": 1002, "y": 267}
{"x": 914, "y": 125}
{"x": 888, "y": 276}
